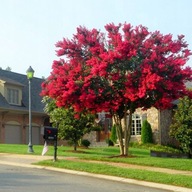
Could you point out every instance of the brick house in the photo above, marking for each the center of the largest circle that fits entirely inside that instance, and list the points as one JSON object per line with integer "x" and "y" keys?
{"x": 160, "y": 121}
{"x": 14, "y": 109}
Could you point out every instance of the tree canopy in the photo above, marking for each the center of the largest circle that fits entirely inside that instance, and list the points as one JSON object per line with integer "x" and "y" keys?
{"x": 126, "y": 69}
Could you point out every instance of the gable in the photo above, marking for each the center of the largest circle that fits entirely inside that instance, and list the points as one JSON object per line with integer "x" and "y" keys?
{"x": 11, "y": 91}
{"x": 17, "y": 84}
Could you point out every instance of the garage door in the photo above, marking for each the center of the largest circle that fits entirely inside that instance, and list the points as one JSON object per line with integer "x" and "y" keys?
{"x": 13, "y": 134}
{"x": 35, "y": 135}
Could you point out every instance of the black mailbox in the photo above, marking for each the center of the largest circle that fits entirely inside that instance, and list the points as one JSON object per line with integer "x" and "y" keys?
{"x": 50, "y": 133}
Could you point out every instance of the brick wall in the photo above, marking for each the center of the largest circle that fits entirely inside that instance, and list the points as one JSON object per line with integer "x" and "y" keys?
{"x": 165, "y": 122}
{"x": 8, "y": 118}
{"x": 153, "y": 119}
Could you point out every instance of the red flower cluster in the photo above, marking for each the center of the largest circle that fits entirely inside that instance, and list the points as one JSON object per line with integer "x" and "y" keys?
{"x": 130, "y": 65}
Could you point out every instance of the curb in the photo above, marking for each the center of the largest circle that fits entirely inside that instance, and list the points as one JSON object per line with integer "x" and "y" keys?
{"x": 108, "y": 177}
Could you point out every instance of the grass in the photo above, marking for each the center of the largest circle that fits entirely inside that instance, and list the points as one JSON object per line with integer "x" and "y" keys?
{"x": 139, "y": 156}
{"x": 178, "y": 180}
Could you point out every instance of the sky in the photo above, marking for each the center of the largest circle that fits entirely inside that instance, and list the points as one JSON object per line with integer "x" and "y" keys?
{"x": 29, "y": 29}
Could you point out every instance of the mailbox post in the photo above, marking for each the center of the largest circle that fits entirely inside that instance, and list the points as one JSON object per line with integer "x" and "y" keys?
{"x": 50, "y": 134}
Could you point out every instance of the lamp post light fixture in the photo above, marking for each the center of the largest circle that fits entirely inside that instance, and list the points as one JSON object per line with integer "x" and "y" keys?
{"x": 30, "y": 73}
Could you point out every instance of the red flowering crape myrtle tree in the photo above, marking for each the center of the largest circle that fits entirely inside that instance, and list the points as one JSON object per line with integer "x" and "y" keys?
{"x": 130, "y": 68}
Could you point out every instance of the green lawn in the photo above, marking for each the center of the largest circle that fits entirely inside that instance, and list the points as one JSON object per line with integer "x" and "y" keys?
{"x": 139, "y": 156}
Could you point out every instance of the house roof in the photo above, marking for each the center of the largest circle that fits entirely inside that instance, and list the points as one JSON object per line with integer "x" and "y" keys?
{"x": 21, "y": 80}
{"x": 188, "y": 84}
{"x": 9, "y": 81}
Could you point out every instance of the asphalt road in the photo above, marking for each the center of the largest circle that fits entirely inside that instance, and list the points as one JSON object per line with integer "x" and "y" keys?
{"x": 21, "y": 179}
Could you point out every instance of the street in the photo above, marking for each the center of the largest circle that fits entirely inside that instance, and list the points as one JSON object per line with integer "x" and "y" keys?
{"x": 20, "y": 179}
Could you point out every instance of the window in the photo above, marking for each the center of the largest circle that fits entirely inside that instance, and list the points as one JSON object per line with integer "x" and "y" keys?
{"x": 13, "y": 96}
{"x": 136, "y": 124}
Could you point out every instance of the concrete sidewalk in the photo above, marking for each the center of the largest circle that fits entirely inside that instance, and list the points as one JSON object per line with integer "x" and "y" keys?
{"x": 27, "y": 160}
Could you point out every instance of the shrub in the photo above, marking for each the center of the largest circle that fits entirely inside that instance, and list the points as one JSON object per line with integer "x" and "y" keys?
{"x": 109, "y": 142}
{"x": 146, "y": 132}
{"x": 113, "y": 136}
{"x": 85, "y": 143}
{"x": 155, "y": 147}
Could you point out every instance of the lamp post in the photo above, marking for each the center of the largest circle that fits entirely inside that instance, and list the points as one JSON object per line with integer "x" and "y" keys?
{"x": 30, "y": 73}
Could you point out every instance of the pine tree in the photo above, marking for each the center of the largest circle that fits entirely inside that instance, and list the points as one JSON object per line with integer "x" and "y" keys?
{"x": 146, "y": 132}
{"x": 113, "y": 136}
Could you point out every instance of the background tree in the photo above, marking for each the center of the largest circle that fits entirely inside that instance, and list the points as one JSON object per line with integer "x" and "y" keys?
{"x": 130, "y": 68}
{"x": 71, "y": 126}
{"x": 181, "y": 128}
{"x": 8, "y": 68}
{"x": 146, "y": 132}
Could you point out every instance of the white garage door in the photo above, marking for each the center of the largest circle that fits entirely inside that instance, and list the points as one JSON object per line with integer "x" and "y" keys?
{"x": 13, "y": 134}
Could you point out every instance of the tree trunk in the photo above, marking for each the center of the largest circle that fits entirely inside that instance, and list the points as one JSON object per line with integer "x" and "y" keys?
{"x": 75, "y": 141}
{"x": 75, "y": 146}
{"x": 127, "y": 132}
{"x": 119, "y": 132}
{"x": 124, "y": 134}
